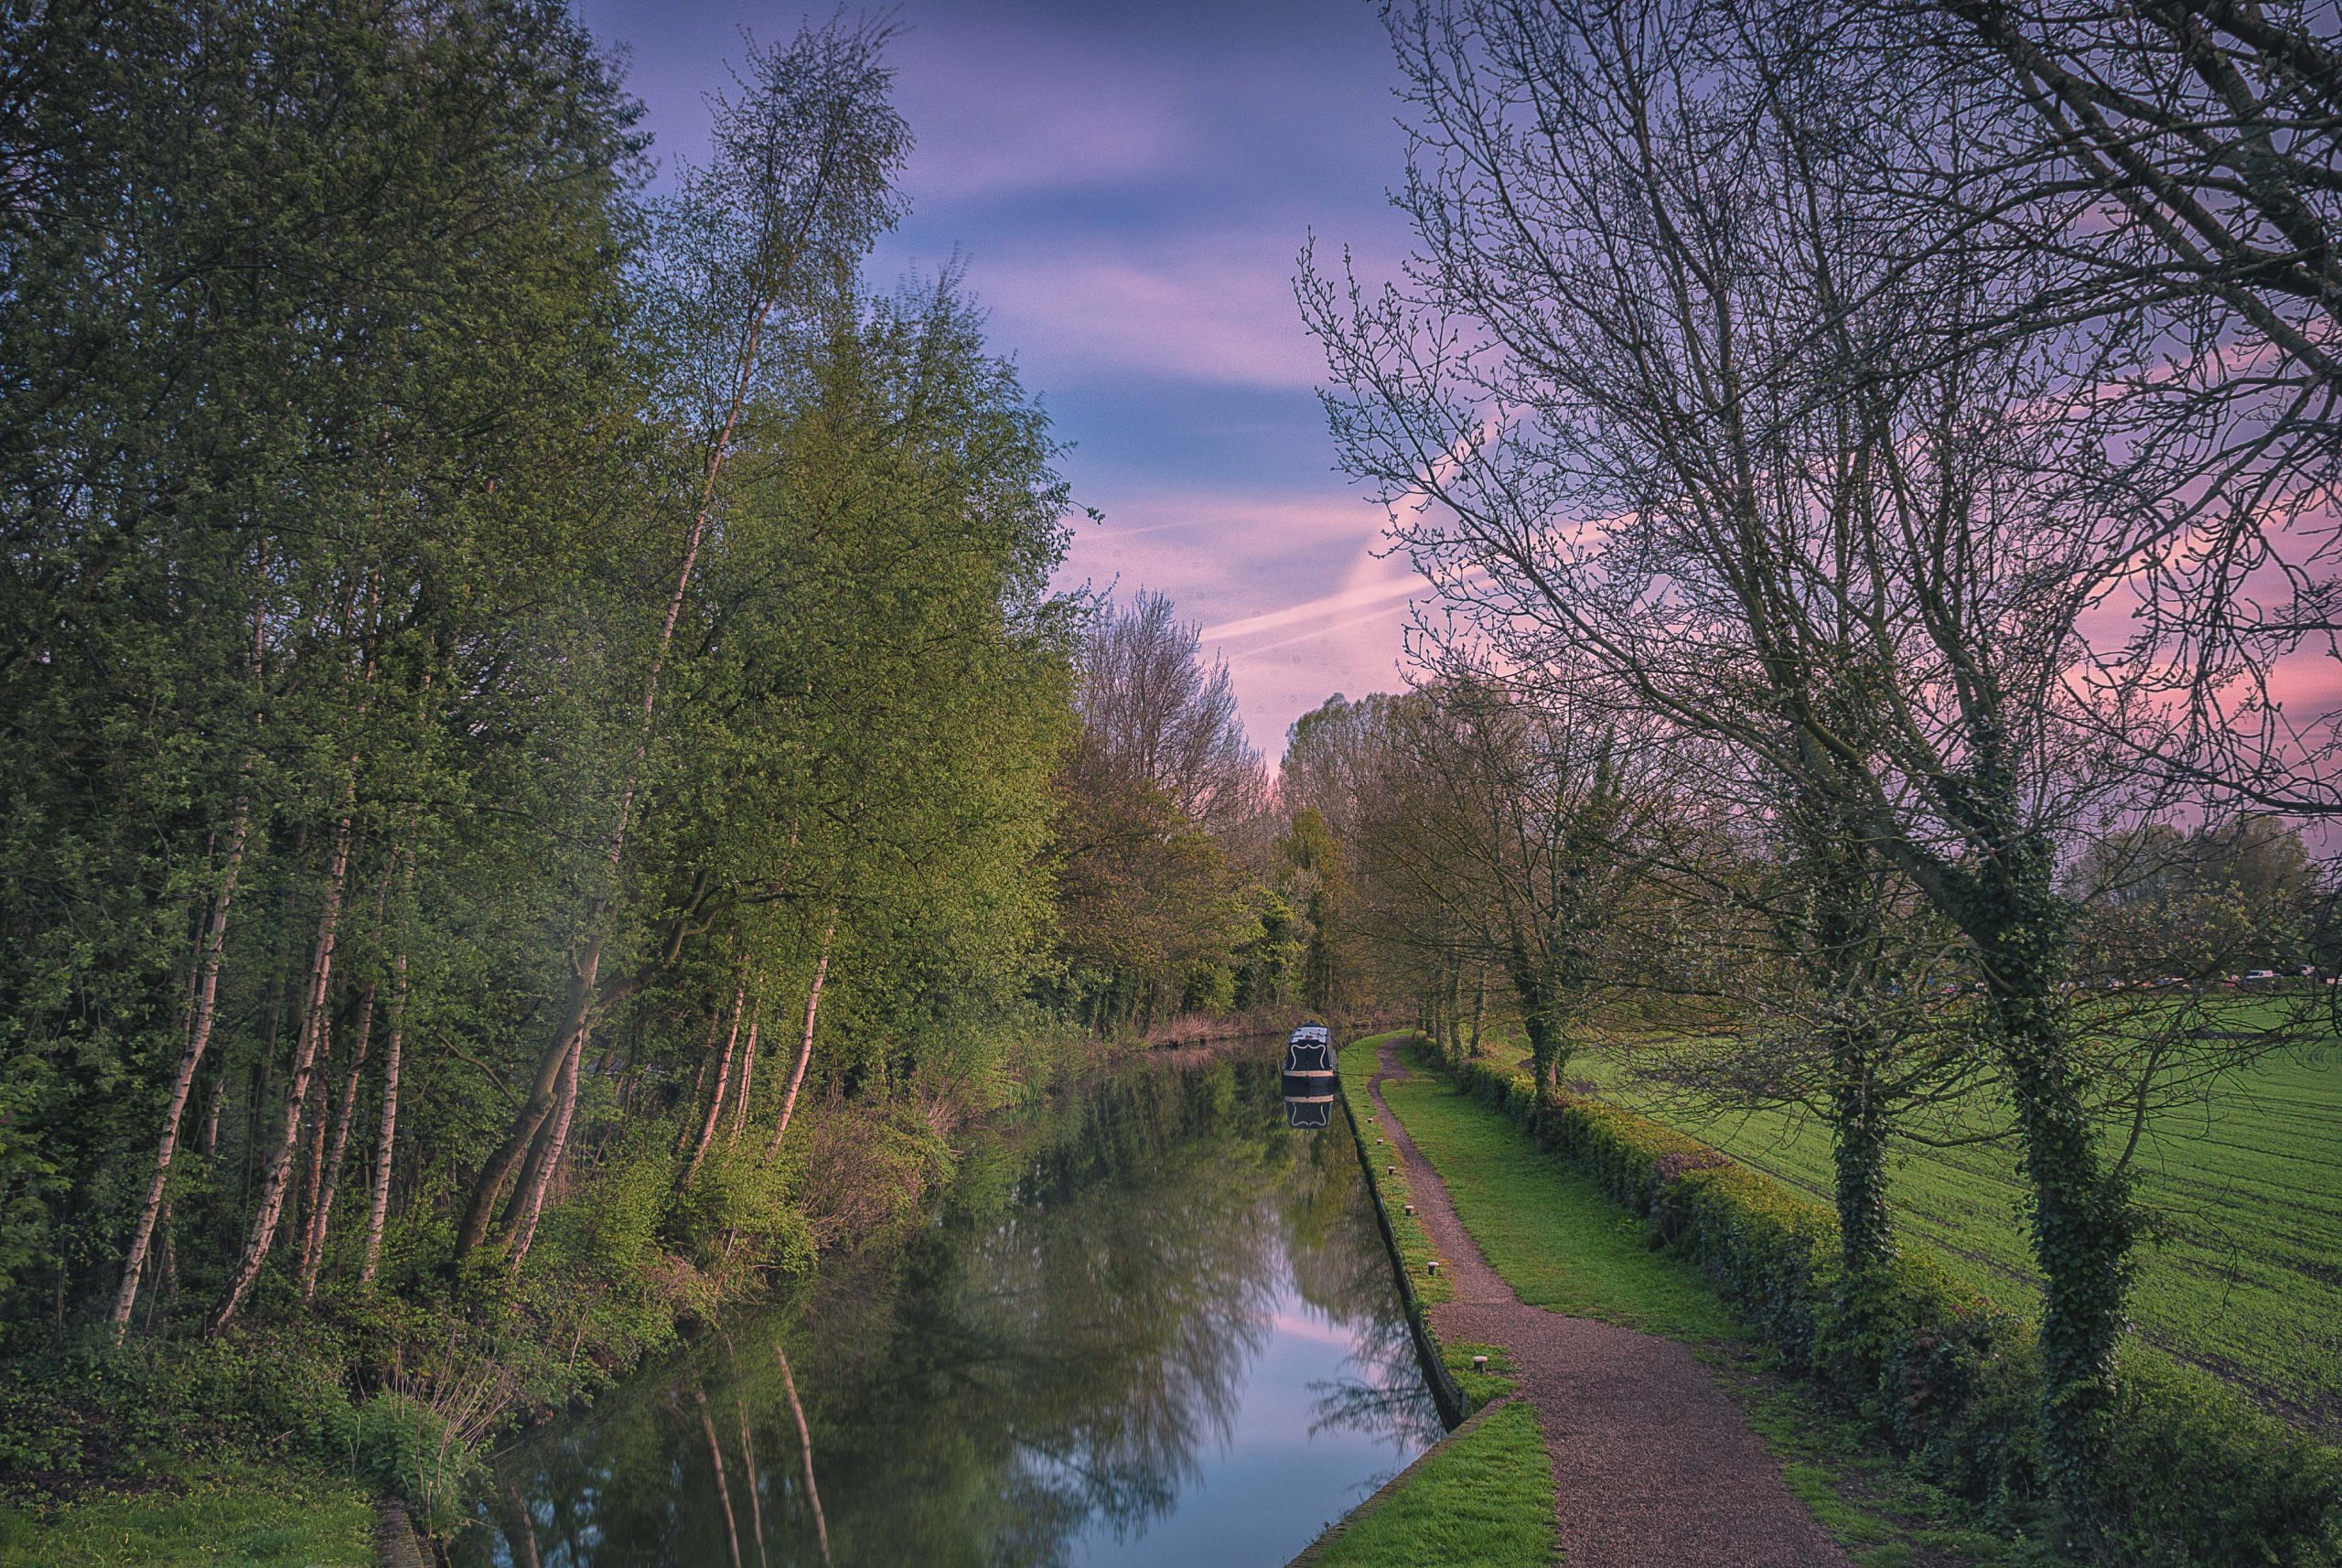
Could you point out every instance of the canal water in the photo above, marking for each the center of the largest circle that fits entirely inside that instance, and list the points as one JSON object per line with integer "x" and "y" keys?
{"x": 1149, "y": 1323}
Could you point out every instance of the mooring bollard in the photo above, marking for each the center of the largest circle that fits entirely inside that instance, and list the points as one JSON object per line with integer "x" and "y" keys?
{"x": 1479, "y": 1363}
{"x": 1432, "y": 1267}
{"x": 1411, "y": 1209}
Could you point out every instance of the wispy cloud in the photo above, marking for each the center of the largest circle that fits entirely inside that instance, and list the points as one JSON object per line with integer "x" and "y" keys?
{"x": 1000, "y": 112}
{"x": 1216, "y": 310}
{"x": 1322, "y": 608}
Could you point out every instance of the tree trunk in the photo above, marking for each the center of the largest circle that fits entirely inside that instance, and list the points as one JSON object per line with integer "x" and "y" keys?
{"x": 715, "y": 1101}
{"x": 528, "y": 1199}
{"x": 749, "y": 1458}
{"x": 544, "y": 1092}
{"x": 805, "y": 1448}
{"x": 748, "y": 1076}
{"x": 198, "y": 1038}
{"x": 386, "y": 1141}
{"x": 1548, "y": 1053}
{"x": 548, "y": 1106}
{"x": 303, "y": 1208}
{"x": 1858, "y": 1130}
{"x": 700, "y": 1075}
{"x": 1450, "y": 1009}
{"x": 805, "y": 1043}
{"x": 314, "y": 1024}
{"x": 2083, "y": 1232}
{"x": 312, "y": 1247}
{"x": 723, "y": 1491}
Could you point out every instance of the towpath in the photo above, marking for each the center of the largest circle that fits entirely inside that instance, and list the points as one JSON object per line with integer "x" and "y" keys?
{"x": 1652, "y": 1463}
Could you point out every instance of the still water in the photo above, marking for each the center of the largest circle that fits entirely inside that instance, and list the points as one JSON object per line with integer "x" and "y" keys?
{"x": 1149, "y": 1325}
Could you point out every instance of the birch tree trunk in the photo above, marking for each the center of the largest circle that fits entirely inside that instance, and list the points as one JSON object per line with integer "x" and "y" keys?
{"x": 530, "y": 1198}
{"x": 805, "y": 1448}
{"x": 313, "y": 1245}
{"x": 715, "y": 1101}
{"x": 748, "y": 1076}
{"x": 313, "y": 1028}
{"x": 386, "y": 1140}
{"x": 543, "y": 1131}
{"x": 723, "y": 1489}
{"x": 207, "y": 1010}
{"x": 805, "y": 1043}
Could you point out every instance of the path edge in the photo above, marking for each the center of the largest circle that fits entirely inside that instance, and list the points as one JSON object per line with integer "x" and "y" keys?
{"x": 1444, "y": 1391}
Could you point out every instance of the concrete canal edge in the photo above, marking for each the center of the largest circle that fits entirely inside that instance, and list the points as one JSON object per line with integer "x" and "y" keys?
{"x": 396, "y": 1543}
{"x": 1443, "y": 1390}
{"x": 1390, "y": 1488}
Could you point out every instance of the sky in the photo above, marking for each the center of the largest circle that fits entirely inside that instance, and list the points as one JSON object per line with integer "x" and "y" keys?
{"x": 1128, "y": 186}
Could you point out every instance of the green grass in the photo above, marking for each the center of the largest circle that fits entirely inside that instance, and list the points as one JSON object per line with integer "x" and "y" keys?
{"x": 1482, "y": 1385}
{"x": 2239, "y": 1275}
{"x": 1547, "y": 1229}
{"x": 1485, "y": 1500}
{"x": 1355, "y": 1066}
{"x": 251, "y": 1520}
{"x": 1884, "y": 1514}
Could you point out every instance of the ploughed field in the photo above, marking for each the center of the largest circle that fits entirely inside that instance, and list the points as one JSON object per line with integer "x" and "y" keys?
{"x": 2241, "y": 1270}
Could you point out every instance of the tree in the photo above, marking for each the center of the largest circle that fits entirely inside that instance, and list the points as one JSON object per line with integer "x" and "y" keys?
{"x": 1513, "y": 836}
{"x": 2178, "y": 160}
{"x": 797, "y": 188}
{"x": 1690, "y": 414}
{"x": 1159, "y": 774}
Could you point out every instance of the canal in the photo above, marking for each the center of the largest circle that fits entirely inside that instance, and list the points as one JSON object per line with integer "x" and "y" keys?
{"x": 1147, "y": 1324}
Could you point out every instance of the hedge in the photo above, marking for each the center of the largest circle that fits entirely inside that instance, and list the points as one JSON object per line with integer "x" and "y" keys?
{"x": 2199, "y": 1474}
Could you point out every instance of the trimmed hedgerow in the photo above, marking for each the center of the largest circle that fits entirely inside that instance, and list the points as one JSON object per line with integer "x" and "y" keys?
{"x": 2199, "y": 1476}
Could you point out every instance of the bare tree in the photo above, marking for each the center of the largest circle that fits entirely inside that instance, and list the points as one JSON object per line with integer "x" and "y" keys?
{"x": 2183, "y": 161}
{"x": 1687, "y": 411}
{"x": 1160, "y": 716}
{"x": 1512, "y": 838}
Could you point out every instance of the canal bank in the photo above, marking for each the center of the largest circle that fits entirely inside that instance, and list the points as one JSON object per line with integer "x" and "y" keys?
{"x": 1152, "y": 1325}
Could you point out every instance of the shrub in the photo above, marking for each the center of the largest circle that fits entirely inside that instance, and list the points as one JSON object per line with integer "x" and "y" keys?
{"x": 396, "y": 1443}
{"x": 2201, "y": 1475}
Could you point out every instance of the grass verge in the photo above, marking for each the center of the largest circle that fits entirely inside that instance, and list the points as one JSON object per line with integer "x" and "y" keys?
{"x": 251, "y": 1518}
{"x": 1549, "y": 1230}
{"x": 1485, "y": 1498}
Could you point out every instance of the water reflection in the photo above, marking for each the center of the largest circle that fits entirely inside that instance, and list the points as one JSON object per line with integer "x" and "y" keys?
{"x": 1156, "y": 1326}
{"x": 1308, "y": 1112}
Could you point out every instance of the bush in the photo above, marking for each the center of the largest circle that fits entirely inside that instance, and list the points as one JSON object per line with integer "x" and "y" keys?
{"x": 2199, "y": 1476}
{"x": 89, "y": 1408}
{"x": 397, "y": 1444}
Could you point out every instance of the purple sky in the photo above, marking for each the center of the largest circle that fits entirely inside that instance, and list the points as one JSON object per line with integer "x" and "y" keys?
{"x": 1129, "y": 185}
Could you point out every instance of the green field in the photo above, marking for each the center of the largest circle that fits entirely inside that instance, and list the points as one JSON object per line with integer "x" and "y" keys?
{"x": 2243, "y": 1272}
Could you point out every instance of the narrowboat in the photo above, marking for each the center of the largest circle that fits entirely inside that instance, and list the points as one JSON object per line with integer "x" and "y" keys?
{"x": 1309, "y": 1061}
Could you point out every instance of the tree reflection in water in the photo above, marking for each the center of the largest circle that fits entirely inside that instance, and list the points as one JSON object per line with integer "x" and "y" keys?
{"x": 1046, "y": 1369}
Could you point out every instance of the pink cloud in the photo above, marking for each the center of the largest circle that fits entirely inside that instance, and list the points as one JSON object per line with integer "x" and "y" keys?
{"x": 1217, "y": 310}
{"x": 1292, "y": 591}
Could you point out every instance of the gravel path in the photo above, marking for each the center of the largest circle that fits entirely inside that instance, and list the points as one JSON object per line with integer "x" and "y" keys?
{"x": 1652, "y": 1465}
